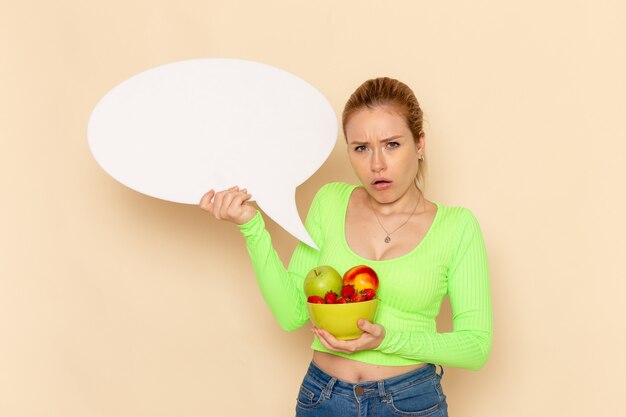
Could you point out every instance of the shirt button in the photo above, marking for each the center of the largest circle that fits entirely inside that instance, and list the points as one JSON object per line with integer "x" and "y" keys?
{"x": 359, "y": 390}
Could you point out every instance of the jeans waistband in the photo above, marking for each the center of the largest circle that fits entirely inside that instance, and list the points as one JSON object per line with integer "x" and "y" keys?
{"x": 371, "y": 388}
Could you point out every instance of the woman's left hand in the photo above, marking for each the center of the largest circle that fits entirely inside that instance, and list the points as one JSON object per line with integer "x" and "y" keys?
{"x": 372, "y": 337}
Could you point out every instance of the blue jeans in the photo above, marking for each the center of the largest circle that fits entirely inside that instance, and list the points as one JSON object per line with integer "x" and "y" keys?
{"x": 415, "y": 393}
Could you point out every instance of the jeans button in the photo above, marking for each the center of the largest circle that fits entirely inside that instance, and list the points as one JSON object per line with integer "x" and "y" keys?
{"x": 359, "y": 390}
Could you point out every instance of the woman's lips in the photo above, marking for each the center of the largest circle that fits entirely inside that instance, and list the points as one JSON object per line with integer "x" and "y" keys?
{"x": 381, "y": 184}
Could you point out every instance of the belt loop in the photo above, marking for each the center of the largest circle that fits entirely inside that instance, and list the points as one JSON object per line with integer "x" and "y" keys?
{"x": 329, "y": 388}
{"x": 440, "y": 375}
{"x": 381, "y": 388}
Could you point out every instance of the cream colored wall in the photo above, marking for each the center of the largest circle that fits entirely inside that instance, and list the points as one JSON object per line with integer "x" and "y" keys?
{"x": 117, "y": 304}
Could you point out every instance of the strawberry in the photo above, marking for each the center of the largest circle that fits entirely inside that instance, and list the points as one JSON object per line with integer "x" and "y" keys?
{"x": 359, "y": 297}
{"x": 315, "y": 299}
{"x": 341, "y": 300}
{"x": 347, "y": 291}
{"x": 369, "y": 293}
{"x": 330, "y": 297}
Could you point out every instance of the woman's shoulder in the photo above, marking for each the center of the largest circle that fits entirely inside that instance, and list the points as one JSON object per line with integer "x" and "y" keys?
{"x": 335, "y": 190}
{"x": 340, "y": 188}
{"x": 330, "y": 198}
{"x": 457, "y": 218}
{"x": 454, "y": 211}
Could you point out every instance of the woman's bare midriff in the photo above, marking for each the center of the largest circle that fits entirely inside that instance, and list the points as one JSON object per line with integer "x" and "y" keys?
{"x": 354, "y": 371}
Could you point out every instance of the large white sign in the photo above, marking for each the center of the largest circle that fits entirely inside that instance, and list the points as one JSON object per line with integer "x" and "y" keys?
{"x": 176, "y": 131}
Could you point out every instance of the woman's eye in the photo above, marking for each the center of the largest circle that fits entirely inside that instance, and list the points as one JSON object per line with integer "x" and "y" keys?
{"x": 393, "y": 144}
{"x": 360, "y": 148}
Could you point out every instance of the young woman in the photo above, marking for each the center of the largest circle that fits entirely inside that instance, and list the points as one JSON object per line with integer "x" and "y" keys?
{"x": 421, "y": 251}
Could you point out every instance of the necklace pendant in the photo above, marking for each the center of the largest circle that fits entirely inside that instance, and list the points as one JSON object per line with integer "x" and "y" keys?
{"x": 387, "y": 239}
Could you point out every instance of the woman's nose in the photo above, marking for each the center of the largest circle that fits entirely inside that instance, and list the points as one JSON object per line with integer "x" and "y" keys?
{"x": 378, "y": 161}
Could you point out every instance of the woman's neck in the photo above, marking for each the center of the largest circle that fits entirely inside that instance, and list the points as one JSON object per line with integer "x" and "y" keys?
{"x": 409, "y": 202}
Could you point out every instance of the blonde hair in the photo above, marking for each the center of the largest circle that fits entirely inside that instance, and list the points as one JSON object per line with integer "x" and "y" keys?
{"x": 385, "y": 91}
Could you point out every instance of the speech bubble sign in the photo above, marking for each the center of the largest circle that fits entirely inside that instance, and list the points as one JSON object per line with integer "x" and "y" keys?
{"x": 175, "y": 131}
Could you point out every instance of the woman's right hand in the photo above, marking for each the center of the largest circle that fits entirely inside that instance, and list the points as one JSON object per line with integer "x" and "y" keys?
{"x": 229, "y": 205}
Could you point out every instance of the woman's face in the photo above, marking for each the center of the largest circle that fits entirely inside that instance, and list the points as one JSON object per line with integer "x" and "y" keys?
{"x": 383, "y": 152}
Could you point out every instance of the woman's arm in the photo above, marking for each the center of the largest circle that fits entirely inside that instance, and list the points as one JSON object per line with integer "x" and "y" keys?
{"x": 469, "y": 344}
{"x": 282, "y": 288}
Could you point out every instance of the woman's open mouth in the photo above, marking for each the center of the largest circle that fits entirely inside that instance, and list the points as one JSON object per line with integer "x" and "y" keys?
{"x": 380, "y": 184}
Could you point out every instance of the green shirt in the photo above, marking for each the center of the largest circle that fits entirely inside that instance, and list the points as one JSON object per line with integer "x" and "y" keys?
{"x": 450, "y": 260}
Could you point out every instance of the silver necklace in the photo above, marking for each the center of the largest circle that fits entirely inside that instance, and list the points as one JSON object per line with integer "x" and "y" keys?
{"x": 388, "y": 237}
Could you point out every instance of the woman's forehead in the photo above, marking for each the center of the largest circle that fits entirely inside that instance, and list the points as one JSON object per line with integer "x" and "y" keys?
{"x": 378, "y": 123}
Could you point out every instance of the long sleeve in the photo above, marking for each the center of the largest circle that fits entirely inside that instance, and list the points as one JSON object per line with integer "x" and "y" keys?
{"x": 282, "y": 288}
{"x": 468, "y": 345}
{"x": 450, "y": 261}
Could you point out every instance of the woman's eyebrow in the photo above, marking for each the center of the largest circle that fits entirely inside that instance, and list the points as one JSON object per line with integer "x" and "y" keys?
{"x": 391, "y": 138}
{"x": 356, "y": 142}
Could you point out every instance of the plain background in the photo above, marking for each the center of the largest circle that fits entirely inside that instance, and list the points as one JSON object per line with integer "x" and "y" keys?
{"x": 117, "y": 304}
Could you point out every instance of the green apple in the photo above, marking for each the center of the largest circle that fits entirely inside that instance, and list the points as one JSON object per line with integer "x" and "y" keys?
{"x": 322, "y": 279}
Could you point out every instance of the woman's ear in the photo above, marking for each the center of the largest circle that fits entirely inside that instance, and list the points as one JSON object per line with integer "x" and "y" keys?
{"x": 420, "y": 145}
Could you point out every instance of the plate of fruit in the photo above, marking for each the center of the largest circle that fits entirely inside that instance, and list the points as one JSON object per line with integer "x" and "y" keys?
{"x": 336, "y": 303}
